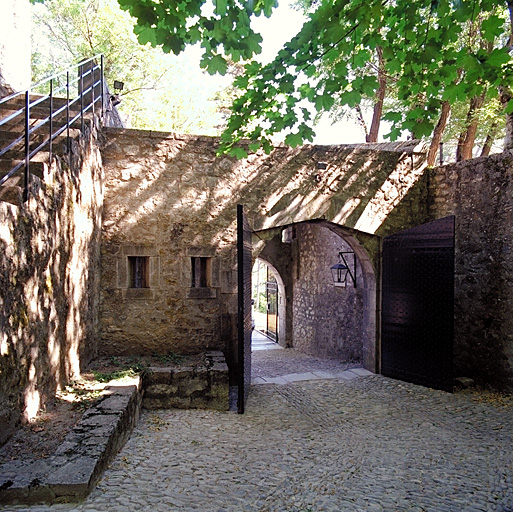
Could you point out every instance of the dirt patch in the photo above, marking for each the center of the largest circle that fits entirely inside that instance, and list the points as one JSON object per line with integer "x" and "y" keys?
{"x": 40, "y": 438}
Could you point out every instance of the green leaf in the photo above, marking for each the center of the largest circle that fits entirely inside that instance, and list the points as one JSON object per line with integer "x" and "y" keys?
{"x": 498, "y": 57}
{"x": 394, "y": 117}
{"x": 351, "y": 98}
{"x": 286, "y": 87}
{"x": 324, "y": 102}
{"x": 221, "y": 7}
{"x": 238, "y": 152}
{"x": 492, "y": 27}
{"x": 509, "y": 107}
{"x": 216, "y": 64}
{"x": 174, "y": 44}
{"x": 145, "y": 35}
{"x": 293, "y": 140}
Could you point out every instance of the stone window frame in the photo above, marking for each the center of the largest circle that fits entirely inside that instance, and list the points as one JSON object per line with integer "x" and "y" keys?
{"x": 123, "y": 271}
{"x": 212, "y": 267}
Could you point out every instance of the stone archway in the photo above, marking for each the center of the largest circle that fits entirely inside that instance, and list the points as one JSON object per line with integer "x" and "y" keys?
{"x": 321, "y": 319}
{"x": 282, "y": 313}
{"x": 369, "y": 268}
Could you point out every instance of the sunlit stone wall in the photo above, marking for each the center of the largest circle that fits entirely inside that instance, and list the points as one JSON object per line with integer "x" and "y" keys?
{"x": 49, "y": 277}
{"x": 14, "y": 46}
{"x": 328, "y": 319}
{"x": 170, "y": 199}
{"x": 480, "y": 193}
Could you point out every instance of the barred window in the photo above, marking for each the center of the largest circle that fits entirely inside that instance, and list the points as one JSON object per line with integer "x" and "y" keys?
{"x": 138, "y": 272}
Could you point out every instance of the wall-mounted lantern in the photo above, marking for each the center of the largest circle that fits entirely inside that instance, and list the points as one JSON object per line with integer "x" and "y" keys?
{"x": 344, "y": 269}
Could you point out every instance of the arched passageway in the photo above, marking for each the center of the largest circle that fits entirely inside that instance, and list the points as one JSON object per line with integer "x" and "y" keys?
{"x": 317, "y": 317}
{"x": 268, "y": 297}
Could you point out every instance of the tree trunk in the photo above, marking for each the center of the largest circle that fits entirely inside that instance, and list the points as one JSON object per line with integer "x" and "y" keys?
{"x": 438, "y": 132}
{"x": 361, "y": 121}
{"x": 508, "y": 139}
{"x": 487, "y": 146}
{"x": 380, "y": 96}
{"x": 505, "y": 95}
{"x": 505, "y": 92}
{"x": 468, "y": 137}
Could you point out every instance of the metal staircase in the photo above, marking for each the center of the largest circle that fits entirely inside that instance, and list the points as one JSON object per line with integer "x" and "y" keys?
{"x": 45, "y": 118}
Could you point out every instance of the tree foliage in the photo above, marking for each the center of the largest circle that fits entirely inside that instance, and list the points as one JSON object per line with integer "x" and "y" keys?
{"x": 428, "y": 52}
{"x": 161, "y": 92}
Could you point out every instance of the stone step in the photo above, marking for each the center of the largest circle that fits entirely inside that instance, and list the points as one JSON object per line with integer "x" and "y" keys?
{"x": 35, "y": 113}
{"x": 37, "y": 167}
{"x": 36, "y": 138}
{"x": 11, "y": 194}
{"x": 58, "y": 146}
{"x": 19, "y": 101}
{"x": 58, "y": 102}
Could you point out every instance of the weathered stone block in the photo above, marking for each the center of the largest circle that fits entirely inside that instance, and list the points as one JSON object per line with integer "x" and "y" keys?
{"x": 189, "y": 387}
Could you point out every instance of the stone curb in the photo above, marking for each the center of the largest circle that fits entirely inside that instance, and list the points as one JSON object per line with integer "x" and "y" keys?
{"x": 78, "y": 463}
{"x": 351, "y": 374}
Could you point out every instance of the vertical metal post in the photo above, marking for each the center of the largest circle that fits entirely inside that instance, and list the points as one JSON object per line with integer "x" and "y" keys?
{"x": 50, "y": 144}
{"x": 441, "y": 153}
{"x": 27, "y": 146}
{"x": 93, "y": 83}
{"x": 240, "y": 307}
{"x": 81, "y": 68}
{"x": 102, "y": 88}
{"x": 68, "y": 141}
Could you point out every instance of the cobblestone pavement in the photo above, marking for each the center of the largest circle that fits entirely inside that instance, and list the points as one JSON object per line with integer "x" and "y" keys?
{"x": 365, "y": 444}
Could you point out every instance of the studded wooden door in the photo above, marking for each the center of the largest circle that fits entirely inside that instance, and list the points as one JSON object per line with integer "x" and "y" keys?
{"x": 418, "y": 305}
{"x": 244, "y": 308}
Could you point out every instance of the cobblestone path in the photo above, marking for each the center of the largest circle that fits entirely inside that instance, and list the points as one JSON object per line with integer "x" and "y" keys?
{"x": 365, "y": 444}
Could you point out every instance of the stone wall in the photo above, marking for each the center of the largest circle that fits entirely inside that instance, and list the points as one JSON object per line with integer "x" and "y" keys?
{"x": 328, "y": 319}
{"x": 170, "y": 200}
{"x": 480, "y": 193}
{"x": 49, "y": 276}
{"x": 14, "y": 46}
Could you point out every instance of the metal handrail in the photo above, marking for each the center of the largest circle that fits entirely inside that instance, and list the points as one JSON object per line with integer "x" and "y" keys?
{"x": 85, "y": 100}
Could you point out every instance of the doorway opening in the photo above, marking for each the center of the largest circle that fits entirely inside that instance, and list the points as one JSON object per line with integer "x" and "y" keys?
{"x": 267, "y": 300}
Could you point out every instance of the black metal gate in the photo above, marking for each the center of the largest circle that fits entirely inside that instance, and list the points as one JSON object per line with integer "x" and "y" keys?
{"x": 244, "y": 307}
{"x": 418, "y": 305}
{"x": 271, "y": 288}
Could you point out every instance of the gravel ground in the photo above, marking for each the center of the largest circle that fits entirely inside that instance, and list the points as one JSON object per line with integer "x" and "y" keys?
{"x": 367, "y": 444}
{"x": 273, "y": 363}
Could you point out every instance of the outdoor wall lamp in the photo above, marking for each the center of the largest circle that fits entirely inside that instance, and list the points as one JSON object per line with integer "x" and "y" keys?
{"x": 341, "y": 270}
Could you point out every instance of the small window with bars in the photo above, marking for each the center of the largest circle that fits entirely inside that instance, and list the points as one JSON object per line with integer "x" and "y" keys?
{"x": 201, "y": 275}
{"x": 138, "y": 272}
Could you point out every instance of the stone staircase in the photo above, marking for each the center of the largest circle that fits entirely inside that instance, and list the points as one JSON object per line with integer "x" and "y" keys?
{"x": 29, "y": 142}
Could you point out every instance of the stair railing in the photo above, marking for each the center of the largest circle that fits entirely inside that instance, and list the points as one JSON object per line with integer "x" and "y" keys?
{"x": 83, "y": 94}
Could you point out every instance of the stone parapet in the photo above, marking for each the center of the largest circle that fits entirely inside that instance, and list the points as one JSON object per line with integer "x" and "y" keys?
{"x": 76, "y": 466}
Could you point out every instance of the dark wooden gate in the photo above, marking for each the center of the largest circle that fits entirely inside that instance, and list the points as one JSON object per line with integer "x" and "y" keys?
{"x": 244, "y": 307}
{"x": 418, "y": 305}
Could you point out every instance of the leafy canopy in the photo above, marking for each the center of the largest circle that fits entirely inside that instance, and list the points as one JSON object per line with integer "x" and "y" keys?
{"x": 161, "y": 91}
{"x": 428, "y": 53}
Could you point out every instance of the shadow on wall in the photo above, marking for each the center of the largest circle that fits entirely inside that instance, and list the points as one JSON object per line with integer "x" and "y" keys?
{"x": 171, "y": 199}
{"x": 49, "y": 256}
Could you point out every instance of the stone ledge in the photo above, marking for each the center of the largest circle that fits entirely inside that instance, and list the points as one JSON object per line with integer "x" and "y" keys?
{"x": 204, "y": 386}
{"x": 76, "y": 466}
